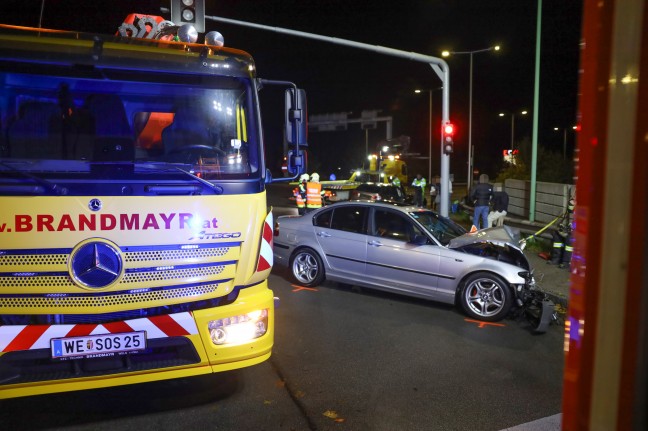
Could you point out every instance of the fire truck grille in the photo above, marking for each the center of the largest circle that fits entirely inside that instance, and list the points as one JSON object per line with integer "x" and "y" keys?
{"x": 164, "y": 255}
{"x": 130, "y": 278}
{"x": 34, "y": 259}
{"x": 46, "y": 281}
{"x": 102, "y": 301}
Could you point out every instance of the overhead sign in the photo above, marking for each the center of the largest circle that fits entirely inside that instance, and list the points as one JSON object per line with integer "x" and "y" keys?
{"x": 369, "y": 119}
{"x": 329, "y": 122}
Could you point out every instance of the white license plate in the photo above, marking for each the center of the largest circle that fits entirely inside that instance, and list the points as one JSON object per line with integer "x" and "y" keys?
{"x": 94, "y": 346}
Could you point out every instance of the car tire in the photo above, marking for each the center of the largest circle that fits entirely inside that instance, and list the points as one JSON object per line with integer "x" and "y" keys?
{"x": 307, "y": 268}
{"x": 486, "y": 297}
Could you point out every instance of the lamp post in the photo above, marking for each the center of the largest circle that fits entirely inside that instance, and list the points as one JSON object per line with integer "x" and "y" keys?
{"x": 564, "y": 139}
{"x": 470, "y": 149}
{"x": 512, "y": 114}
{"x": 417, "y": 91}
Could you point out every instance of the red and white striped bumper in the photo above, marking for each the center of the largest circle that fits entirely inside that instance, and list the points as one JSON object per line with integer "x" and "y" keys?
{"x": 29, "y": 337}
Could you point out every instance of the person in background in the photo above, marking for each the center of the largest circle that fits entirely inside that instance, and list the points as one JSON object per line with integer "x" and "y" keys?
{"x": 437, "y": 195}
{"x": 313, "y": 193}
{"x": 419, "y": 186}
{"x": 500, "y": 206}
{"x": 300, "y": 194}
{"x": 481, "y": 196}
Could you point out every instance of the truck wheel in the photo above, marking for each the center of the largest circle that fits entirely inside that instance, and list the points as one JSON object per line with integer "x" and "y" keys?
{"x": 486, "y": 296}
{"x": 307, "y": 267}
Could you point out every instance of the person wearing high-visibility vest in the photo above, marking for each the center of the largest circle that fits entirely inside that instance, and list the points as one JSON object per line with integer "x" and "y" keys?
{"x": 313, "y": 193}
{"x": 419, "y": 185}
{"x": 300, "y": 194}
{"x": 561, "y": 252}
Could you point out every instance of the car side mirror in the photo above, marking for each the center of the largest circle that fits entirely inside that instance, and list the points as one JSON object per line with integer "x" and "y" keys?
{"x": 419, "y": 240}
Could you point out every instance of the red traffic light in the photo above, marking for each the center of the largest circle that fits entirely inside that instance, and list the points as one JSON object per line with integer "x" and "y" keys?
{"x": 448, "y": 138}
{"x": 448, "y": 129}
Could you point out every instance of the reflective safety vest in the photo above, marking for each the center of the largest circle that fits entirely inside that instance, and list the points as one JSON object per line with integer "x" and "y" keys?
{"x": 301, "y": 203}
{"x": 419, "y": 183}
{"x": 313, "y": 195}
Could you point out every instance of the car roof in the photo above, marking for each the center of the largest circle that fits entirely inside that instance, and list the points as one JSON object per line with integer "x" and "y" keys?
{"x": 386, "y": 204}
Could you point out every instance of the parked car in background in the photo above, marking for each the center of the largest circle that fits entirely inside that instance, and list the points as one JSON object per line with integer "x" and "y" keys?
{"x": 379, "y": 192}
{"x": 406, "y": 250}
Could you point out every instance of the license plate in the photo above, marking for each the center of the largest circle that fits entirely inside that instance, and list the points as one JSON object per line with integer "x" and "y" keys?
{"x": 95, "y": 346}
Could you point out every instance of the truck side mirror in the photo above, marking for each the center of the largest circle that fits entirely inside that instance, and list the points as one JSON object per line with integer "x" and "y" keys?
{"x": 296, "y": 161}
{"x": 296, "y": 117}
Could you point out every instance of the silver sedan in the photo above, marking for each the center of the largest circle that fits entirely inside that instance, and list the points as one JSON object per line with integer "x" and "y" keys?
{"x": 406, "y": 250}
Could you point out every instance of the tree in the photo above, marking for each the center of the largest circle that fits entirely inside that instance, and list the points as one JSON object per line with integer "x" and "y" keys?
{"x": 551, "y": 166}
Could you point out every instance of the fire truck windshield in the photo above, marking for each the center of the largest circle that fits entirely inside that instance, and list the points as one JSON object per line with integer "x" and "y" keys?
{"x": 71, "y": 120}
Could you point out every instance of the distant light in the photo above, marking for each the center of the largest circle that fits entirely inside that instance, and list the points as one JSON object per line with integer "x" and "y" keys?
{"x": 575, "y": 127}
{"x": 501, "y": 114}
{"x": 417, "y": 91}
{"x": 524, "y": 112}
{"x": 555, "y": 128}
{"x": 385, "y": 148}
{"x": 496, "y": 47}
{"x": 445, "y": 54}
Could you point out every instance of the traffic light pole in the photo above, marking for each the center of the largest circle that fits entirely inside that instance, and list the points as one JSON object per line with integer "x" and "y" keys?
{"x": 439, "y": 66}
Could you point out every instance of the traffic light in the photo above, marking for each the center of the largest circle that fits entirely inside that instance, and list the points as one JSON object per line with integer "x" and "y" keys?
{"x": 189, "y": 12}
{"x": 448, "y": 138}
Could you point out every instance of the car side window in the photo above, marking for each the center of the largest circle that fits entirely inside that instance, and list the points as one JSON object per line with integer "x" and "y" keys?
{"x": 349, "y": 219}
{"x": 389, "y": 224}
{"x": 323, "y": 219}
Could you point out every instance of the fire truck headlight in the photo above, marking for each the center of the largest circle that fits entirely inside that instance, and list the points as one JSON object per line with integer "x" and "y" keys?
{"x": 239, "y": 329}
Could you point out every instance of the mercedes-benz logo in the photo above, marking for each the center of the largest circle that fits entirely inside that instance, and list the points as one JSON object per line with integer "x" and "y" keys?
{"x": 95, "y": 264}
{"x": 95, "y": 204}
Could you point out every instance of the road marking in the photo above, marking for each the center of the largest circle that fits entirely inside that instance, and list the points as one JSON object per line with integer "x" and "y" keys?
{"x": 481, "y": 324}
{"x": 298, "y": 288}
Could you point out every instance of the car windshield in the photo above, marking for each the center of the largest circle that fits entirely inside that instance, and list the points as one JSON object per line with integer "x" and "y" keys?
{"x": 66, "y": 122}
{"x": 442, "y": 228}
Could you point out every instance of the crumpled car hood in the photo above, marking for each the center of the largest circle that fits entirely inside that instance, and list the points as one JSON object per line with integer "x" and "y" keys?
{"x": 497, "y": 243}
{"x": 501, "y": 234}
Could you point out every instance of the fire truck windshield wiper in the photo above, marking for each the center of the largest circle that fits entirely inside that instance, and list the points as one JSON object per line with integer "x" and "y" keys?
{"x": 40, "y": 187}
{"x": 164, "y": 167}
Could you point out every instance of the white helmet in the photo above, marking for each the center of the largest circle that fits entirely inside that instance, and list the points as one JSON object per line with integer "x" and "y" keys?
{"x": 304, "y": 177}
{"x": 315, "y": 177}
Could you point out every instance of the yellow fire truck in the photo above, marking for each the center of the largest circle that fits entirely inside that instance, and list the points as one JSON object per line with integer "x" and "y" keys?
{"x": 135, "y": 238}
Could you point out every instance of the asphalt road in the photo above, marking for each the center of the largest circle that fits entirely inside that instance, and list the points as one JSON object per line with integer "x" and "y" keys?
{"x": 344, "y": 359}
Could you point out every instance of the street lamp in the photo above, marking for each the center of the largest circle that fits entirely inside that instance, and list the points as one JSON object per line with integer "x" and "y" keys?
{"x": 564, "y": 139}
{"x": 470, "y": 151}
{"x": 512, "y": 114}
{"x": 417, "y": 91}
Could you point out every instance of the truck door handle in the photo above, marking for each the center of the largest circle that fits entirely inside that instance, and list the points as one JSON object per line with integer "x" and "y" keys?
{"x": 376, "y": 243}
{"x": 324, "y": 234}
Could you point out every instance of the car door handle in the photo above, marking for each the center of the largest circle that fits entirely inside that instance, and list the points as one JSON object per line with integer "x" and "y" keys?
{"x": 324, "y": 234}
{"x": 376, "y": 243}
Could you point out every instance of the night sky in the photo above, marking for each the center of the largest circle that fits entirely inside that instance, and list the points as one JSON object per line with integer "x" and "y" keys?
{"x": 342, "y": 79}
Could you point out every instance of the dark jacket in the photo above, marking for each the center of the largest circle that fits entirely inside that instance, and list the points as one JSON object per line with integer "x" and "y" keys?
{"x": 500, "y": 201}
{"x": 482, "y": 194}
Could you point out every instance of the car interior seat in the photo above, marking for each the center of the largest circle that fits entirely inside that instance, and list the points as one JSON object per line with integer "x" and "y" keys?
{"x": 187, "y": 129}
{"x": 113, "y": 136}
{"x": 37, "y": 131}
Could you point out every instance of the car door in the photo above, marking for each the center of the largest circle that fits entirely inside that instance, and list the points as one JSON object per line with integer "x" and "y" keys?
{"x": 394, "y": 262}
{"x": 341, "y": 233}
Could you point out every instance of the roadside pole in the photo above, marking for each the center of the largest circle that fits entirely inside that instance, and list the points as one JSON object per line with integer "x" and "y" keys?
{"x": 438, "y": 65}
